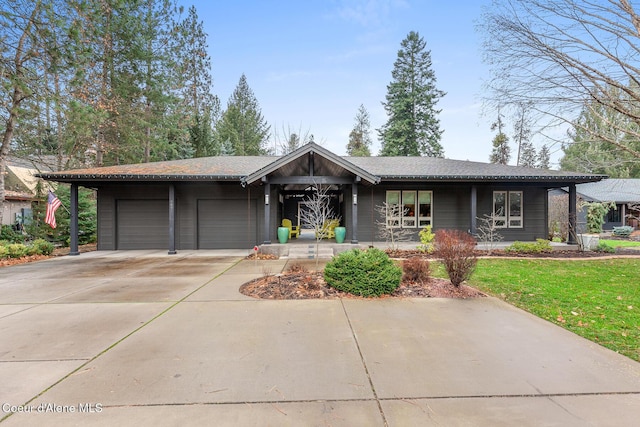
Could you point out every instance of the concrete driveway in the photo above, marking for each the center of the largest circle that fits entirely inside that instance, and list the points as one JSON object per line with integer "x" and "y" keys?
{"x": 144, "y": 338}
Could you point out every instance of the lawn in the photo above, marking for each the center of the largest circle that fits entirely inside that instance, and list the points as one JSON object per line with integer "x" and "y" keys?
{"x": 622, "y": 243}
{"x": 597, "y": 299}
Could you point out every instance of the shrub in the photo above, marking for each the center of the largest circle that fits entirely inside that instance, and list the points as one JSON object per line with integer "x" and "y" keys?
{"x": 537, "y": 247}
{"x": 603, "y": 247}
{"x": 457, "y": 251}
{"x": 42, "y": 247}
{"x": 4, "y": 252}
{"x": 365, "y": 273}
{"x": 426, "y": 239}
{"x": 624, "y": 231}
{"x": 16, "y": 250}
{"x": 10, "y": 235}
{"x": 416, "y": 269}
{"x": 297, "y": 268}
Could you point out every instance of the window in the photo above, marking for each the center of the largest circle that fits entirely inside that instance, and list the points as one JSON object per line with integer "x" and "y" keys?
{"x": 507, "y": 209}
{"x": 409, "y": 208}
{"x": 424, "y": 208}
{"x": 394, "y": 213}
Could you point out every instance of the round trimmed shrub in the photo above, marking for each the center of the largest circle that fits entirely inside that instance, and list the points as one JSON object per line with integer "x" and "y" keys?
{"x": 369, "y": 273}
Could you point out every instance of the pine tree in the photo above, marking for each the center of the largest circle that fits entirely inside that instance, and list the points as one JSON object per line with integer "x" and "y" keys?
{"x": 501, "y": 152}
{"x": 412, "y": 128}
{"x": 242, "y": 125}
{"x": 544, "y": 158}
{"x": 360, "y": 136}
{"x": 194, "y": 68}
{"x": 528, "y": 155}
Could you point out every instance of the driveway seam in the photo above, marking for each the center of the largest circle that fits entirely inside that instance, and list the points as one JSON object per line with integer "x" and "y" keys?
{"x": 364, "y": 364}
{"x": 364, "y": 399}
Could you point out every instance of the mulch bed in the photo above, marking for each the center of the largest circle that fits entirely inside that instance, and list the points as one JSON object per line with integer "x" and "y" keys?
{"x": 311, "y": 285}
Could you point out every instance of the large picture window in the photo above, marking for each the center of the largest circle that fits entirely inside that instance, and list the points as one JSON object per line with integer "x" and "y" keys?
{"x": 507, "y": 209}
{"x": 409, "y": 208}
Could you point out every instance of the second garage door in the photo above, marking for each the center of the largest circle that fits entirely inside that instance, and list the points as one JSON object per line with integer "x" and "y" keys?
{"x": 142, "y": 224}
{"x": 227, "y": 224}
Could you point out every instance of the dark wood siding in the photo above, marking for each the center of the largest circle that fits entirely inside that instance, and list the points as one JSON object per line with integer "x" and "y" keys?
{"x": 451, "y": 208}
{"x": 142, "y": 224}
{"x": 226, "y": 224}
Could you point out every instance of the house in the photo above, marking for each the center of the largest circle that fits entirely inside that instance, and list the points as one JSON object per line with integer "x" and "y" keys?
{"x": 238, "y": 202}
{"x": 20, "y": 185}
{"x": 625, "y": 193}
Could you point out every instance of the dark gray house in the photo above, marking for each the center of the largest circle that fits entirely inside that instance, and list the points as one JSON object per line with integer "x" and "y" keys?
{"x": 238, "y": 202}
{"x": 625, "y": 193}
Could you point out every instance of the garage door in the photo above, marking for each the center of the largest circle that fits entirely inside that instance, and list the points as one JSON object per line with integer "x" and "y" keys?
{"x": 226, "y": 224}
{"x": 143, "y": 224}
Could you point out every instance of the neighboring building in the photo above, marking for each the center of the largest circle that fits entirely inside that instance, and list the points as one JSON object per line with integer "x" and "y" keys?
{"x": 21, "y": 187}
{"x": 238, "y": 202}
{"x": 625, "y": 193}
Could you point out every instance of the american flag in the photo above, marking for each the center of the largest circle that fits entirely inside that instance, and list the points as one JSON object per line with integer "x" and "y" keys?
{"x": 53, "y": 203}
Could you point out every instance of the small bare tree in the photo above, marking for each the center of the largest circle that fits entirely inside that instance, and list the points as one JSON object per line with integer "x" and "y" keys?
{"x": 317, "y": 213}
{"x": 487, "y": 231}
{"x": 558, "y": 218}
{"x": 389, "y": 226}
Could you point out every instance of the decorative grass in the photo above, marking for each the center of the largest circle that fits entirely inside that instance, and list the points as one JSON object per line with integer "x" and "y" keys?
{"x": 596, "y": 299}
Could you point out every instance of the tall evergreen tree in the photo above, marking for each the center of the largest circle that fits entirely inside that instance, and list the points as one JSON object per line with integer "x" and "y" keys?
{"x": 590, "y": 149}
{"x": 528, "y": 155}
{"x": 501, "y": 152}
{"x": 544, "y": 158}
{"x": 202, "y": 108}
{"x": 412, "y": 128}
{"x": 360, "y": 136}
{"x": 242, "y": 125}
{"x": 522, "y": 136}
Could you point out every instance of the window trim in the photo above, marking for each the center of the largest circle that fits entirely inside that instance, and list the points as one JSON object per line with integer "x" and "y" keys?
{"x": 505, "y": 220}
{"x": 408, "y": 221}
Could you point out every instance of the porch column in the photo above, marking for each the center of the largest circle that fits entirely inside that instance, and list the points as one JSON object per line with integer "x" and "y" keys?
{"x": 624, "y": 214}
{"x": 354, "y": 211}
{"x": 573, "y": 201}
{"x": 267, "y": 211}
{"x": 172, "y": 219}
{"x": 73, "y": 220}
{"x": 473, "y": 229}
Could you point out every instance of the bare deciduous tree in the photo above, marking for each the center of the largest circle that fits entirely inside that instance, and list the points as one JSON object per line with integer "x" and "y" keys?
{"x": 558, "y": 219}
{"x": 317, "y": 213}
{"x": 388, "y": 230}
{"x": 558, "y": 55}
{"x": 487, "y": 232}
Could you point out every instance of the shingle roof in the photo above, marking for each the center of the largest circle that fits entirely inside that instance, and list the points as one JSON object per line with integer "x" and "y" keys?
{"x": 216, "y": 168}
{"x": 611, "y": 190}
{"x": 385, "y": 168}
{"x": 437, "y": 168}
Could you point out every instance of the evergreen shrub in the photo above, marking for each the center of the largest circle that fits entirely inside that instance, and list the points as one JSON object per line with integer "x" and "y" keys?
{"x": 367, "y": 273}
{"x": 16, "y": 250}
{"x": 537, "y": 247}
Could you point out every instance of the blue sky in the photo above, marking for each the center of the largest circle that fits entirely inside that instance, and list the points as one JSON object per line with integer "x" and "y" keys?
{"x": 312, "y": 63}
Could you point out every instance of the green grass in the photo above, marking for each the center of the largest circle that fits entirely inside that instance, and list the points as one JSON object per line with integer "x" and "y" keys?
{"x": 621, "y": 243}
{"x": 597, "y": 299}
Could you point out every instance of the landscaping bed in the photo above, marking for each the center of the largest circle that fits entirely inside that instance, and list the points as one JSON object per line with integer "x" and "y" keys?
{"x": 311, "y": 285}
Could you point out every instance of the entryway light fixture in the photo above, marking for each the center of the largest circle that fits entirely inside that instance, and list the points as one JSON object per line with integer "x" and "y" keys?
{"x": 355, "y": 199}
{"x": 266, "y": 199}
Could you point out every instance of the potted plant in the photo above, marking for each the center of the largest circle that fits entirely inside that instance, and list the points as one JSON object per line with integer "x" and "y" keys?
{"x": 596, "y": 212}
